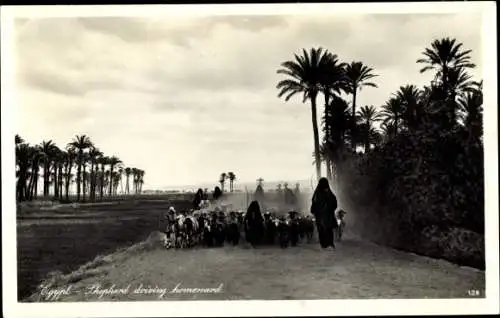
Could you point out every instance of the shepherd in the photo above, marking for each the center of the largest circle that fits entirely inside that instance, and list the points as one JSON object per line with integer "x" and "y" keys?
{"x": 198, "y": 198}
{"x": 323, "y": 206}
{"x": 254, "y": 224}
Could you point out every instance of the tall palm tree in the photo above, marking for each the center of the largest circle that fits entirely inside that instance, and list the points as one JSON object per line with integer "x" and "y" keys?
{"x": 141, "y": 180}
{"x": 36, "y": 159}
{"x": 47, "y": 148}
{"x": 94, "y": 155}
{"x": 135, "y": 179}
{"x": 368, "y": 115}
{"x": 24, "y": 154}
{"x": 334, "y": 80}
{"x": 231, "y": 176}
{"x": 116, "y": 182}
{"x": 80, "y": 143}
{"x": 56, "y": 162}
{"x": 222, "y": 180}
{"x": 392, "y": 113}
{"x": 444, "y": 55}
{"x": 128, "y": 171}
{"x": 71, "y": 157}
{"x": 113, "y": 161}
{"x": 85, "y": 158}
{"x": 103, "y": 161}
{"x": 358, "y": 76}
{"x": 121, "y": 171}
{"x": 305, "y": 76}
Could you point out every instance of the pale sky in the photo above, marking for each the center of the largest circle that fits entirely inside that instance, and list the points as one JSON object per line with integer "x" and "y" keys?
{"x": 189, "y": 98}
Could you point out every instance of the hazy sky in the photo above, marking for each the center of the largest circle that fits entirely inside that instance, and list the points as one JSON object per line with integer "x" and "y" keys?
{"x": 185, "y": 99}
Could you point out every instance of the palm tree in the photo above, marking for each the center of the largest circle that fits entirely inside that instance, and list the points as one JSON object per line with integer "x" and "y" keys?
{"x": 47, "y": 148}
{"x": 336, "y": 123}
{"x": 85, "y": 178}
{"x": 392, "y": 113}
{"x": 389, "y": 130}
{"x": 444, "y": 55}
{"x": 471, "y": 106}
{"x": 94, "y": 155}
{"x": 408, "y": 97}
{"x": 71, "y": 156}
{"x": 103, "y": 161}
{"x": 135, "y": 179}
{"x": 113, "y": 161}
{"x": 80, "y": 144}
{"x": 358, "y": 76}
{"x": 334, "y": 80}
{"x": 128, "y": 171}
{"x": 36, "y": 158}
{"x": 19, "y": 140}
{"x": 116, "y": 182}
{"x": 120, "y": 172}
{"x": 305, "y": 76}
{"x": 56, "y": 162}
{"x": 141, "y": 180}
{"x": 231, "y": 176}
{"x": 368, "y": 115}
{"x": 260, "y": 182}
{"x": 24, "y": 154}
{"x": 222, "y": 180}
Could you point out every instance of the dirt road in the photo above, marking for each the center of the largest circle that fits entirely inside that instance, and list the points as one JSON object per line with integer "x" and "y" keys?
{"x": 355, "y": 270}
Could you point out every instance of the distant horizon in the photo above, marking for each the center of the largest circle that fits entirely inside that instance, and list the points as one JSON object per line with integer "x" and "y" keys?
{"x": 238, "y": 185}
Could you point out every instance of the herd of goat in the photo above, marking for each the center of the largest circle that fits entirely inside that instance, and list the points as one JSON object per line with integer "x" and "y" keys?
{"x": 214, "y": 227}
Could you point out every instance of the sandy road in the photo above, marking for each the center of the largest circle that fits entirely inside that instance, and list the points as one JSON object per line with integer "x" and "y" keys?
{"x": 355, "y": 270}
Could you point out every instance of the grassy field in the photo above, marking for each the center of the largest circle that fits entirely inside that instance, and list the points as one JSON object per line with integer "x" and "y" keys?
{"x": 64, "y": 243}
{"x": 64, "y": 238}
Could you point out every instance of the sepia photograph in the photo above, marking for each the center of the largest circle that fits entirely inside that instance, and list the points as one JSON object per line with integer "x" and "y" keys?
{"x": 247, "y": 159}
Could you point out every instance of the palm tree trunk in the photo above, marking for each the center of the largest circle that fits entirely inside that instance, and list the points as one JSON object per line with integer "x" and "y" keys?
{"x": 127, "y": 188}
{"x": 121, "y": 183}
{"x": 91, "y": 179}
{"x": 84, "y": 184}
{"x": 316, "y": 135}
{"x": 31, "y": 184}
{"x": 56, "y": 180}
{"x": 79, "y": 176}
{"x": 68, "y": 180}
{"x": 20, "y": 182}
{"x": 329, "y": 169}
{"x": 26, "y": 188}
{"x": 110, "y": 180}
{"x": 102, "y": 181}
{"x": 35, "y": 190}
{"x": 60, "y": 180}
{"x": 45, "y": 178}
{"x": 353, "y": 119}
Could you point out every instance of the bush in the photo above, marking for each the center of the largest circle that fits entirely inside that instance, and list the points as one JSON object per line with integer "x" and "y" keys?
{"x": 423, "y": 194}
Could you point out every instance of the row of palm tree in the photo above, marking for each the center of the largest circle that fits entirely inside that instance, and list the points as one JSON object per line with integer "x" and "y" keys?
{"x": 452, "y": 99}
{"x": 231, "y": 176}
{"x": 57, "y": 166}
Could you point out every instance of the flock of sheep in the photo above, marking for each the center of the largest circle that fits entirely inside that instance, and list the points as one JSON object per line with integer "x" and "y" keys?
{"x": 218, "y": 225}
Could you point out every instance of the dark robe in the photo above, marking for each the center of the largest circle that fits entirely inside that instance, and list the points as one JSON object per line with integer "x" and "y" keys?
{"x": 324, "y": 204}
{"x": 254, "y": 224}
